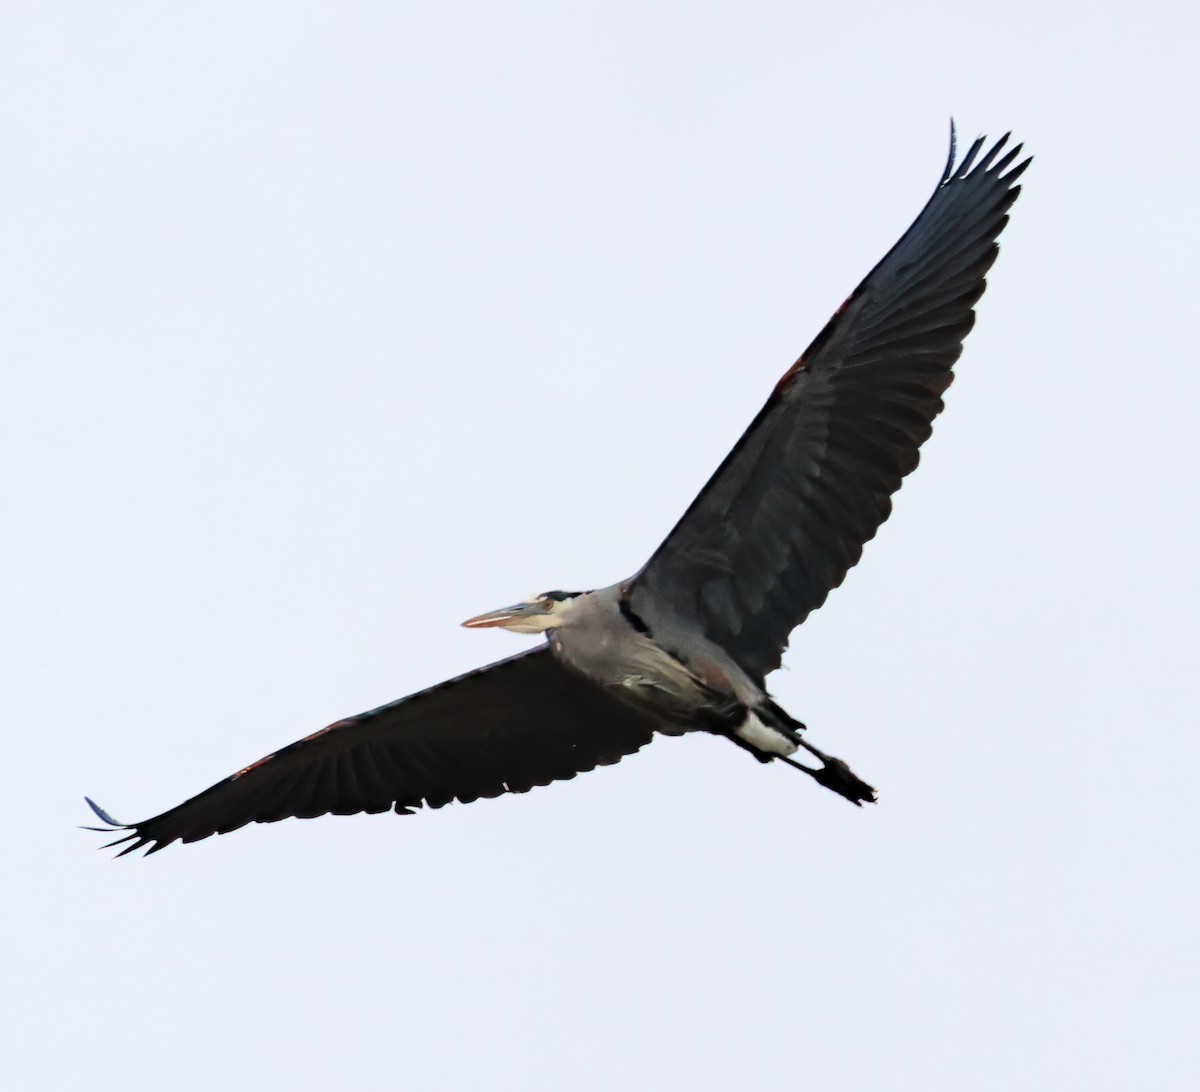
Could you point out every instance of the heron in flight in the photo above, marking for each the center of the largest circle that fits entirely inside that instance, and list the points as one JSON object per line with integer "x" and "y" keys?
{"x": 686, "y": 643}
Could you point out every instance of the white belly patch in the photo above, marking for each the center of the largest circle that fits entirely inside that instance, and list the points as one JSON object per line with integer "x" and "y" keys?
{"x": 764, "y": 737}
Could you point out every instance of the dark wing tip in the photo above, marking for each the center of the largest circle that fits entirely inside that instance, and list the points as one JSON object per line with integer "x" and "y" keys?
{"x": 989, "y": 164}
{"x": 128, "y": 832}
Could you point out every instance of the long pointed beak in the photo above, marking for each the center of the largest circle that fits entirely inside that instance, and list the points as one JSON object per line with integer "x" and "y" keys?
{"x": 499, "y": 617}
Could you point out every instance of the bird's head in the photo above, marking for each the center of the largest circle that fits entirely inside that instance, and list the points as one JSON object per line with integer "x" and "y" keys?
{"x": 535, "y": 615}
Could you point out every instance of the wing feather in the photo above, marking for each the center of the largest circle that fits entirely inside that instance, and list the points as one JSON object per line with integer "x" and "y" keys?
{"x": 522, "y": 722}
{"x": 786, "y": 515}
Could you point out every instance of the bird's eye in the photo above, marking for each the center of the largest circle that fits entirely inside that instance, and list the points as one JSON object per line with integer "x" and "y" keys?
{"x": 547, "y": 604}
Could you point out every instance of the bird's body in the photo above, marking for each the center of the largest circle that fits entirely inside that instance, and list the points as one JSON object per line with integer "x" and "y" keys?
{"x": 603, "y": 640}
{"x": 687, "y": 642}
{"x": 685, "y": 687}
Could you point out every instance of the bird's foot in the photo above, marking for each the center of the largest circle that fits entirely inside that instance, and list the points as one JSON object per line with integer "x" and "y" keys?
{"x": 835, "y": 775}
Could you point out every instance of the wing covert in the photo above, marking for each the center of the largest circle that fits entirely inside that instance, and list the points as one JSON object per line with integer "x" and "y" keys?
{"x": 786, "y": 514}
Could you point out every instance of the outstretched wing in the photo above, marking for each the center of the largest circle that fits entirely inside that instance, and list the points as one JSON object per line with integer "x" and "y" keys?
{"x": 522, "y": 722}
{"x": 788, "y": 511}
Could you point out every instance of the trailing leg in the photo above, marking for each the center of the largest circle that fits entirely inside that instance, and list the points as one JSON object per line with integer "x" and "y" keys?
{"x": 834, "y": 774}
{"x": 768, "y": 732}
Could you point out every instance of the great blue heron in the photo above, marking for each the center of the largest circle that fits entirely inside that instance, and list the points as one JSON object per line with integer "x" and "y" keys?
{"x": 686, "y": 643}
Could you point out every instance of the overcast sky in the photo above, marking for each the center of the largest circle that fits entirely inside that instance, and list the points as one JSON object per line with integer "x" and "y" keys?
{"x": 325, "y": 326}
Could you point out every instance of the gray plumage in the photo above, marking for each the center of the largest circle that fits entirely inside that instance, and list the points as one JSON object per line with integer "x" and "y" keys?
{"x": 687, "y": 642}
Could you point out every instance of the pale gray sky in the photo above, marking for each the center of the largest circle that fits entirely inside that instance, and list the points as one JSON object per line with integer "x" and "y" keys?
{"x": 303, "y": 306}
